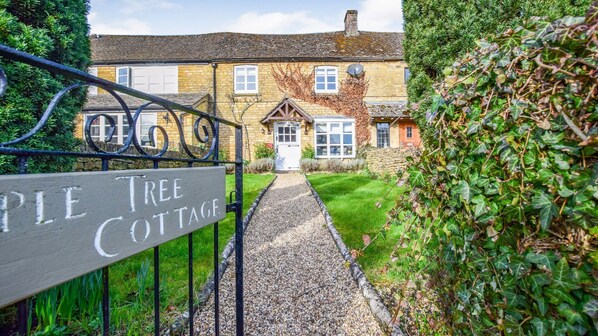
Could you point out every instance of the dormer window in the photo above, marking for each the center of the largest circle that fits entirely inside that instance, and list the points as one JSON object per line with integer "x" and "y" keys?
{"x": 246, "y": 79}
{"x": 326, "y": 79}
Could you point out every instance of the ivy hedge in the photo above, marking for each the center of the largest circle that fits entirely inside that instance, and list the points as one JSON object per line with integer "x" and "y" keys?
{"x": 506, "y": 188}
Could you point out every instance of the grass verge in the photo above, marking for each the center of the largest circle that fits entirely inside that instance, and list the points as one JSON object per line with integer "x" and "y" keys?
{"x": 358, "y": 205}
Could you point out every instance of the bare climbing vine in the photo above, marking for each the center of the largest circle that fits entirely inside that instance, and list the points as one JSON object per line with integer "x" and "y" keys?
{"x": 298, "y": 83}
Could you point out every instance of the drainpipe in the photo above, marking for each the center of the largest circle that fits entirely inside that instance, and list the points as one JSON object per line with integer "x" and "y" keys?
{"x": 214, "y": 107}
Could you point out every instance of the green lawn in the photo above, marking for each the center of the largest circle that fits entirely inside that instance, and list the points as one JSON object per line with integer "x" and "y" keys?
{"x": 131, "y": 280}
{"x": 352, "y": 200}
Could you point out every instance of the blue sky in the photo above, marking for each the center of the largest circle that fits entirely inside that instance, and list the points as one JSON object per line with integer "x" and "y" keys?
{"x": 166, "y": 17}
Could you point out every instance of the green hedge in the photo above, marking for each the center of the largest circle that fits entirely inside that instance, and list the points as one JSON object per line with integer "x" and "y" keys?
{"x": 507, "y": 183}
{"x": 56, "y": 30}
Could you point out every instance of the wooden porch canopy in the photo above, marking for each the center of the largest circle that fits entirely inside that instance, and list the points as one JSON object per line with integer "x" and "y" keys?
{"x": 287, "y": 110}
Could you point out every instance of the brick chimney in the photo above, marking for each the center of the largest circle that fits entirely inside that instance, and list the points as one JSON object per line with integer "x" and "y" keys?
{"x": 351, "y": 23}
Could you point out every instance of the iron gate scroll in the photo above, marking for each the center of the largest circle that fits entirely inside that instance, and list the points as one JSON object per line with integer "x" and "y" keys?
{"x": 55, "y": 227}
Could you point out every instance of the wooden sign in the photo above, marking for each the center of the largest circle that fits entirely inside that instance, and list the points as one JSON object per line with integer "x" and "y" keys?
{"x": 55, "y": 227}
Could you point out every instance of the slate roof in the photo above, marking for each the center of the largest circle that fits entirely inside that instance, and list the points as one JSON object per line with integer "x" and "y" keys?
{"x": 396, "y": 109}
{"x": 115, "y": 49}
{"x": 105, "y": 102}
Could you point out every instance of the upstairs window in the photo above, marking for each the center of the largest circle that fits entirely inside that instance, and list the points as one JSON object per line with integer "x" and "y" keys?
{"x": 149, "y": 79}
{"x": 246, "y": 79}
{"x": 326, "y": 79}
{"x": 407, "y": 74}
{"x": 383, "y": 136}
{"x": 123, "y": 76}
{"x": 93, "y": 90}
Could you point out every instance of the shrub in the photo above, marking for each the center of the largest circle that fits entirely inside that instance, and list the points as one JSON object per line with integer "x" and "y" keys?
{"x": 308, "y": 152}
{"x": 309, "y": 165}
{"x": 353, "y": 165}
{"x": 506, "y": 186}
{"x": 260, "y": 166}
{"x": 264, "y": 150}
{"x": 58, "y": 31}
{"x": 332, "y": 165}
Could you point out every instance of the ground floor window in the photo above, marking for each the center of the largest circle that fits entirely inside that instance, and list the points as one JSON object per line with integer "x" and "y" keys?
{"x": 335, "y": 138}
{"x": 383, "y": 135}
{"x": 100, "y": 128}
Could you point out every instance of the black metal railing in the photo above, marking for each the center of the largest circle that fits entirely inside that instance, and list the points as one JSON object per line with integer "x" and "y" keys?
{"x": 206, "y": 130}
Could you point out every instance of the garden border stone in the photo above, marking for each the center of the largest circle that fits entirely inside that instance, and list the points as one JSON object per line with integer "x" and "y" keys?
{"x": 377, "y": 307}
{"x": 182, "y": 321}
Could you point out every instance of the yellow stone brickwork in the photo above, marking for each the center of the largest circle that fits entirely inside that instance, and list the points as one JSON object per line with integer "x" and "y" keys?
{"x": 386, "y": 83}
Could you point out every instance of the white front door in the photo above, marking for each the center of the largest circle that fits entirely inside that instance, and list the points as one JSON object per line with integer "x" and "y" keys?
{"x": 287, "y": 139}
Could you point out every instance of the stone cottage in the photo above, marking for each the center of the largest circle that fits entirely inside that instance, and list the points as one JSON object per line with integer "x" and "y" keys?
{"x": 332, "y": 91}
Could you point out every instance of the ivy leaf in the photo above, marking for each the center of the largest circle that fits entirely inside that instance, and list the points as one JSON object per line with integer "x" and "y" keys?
{"x": 565, "y": 192}
{"x": 540, "y": 328}
{"x": 542, "y": 306}
{"x": 561, "y": 278}
{"x": 556, "y": 296}
{"x": 513, "y": 213}
{"x": 547, "y": 208}
{"x": 569, "y": 313}
{"x": 540, "y": 259}
{"x": 479, "y": 149}
{"x": 591, "y": 308}
{"x": 537, "y": 281}
{"x": 416, "y": 178}
{"x": 462, "y": 189}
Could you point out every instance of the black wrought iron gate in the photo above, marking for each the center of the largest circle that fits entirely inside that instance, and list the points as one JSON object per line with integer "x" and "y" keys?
{"x": 206, "y": 131}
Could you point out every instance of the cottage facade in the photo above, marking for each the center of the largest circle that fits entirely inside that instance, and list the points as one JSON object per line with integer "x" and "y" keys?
{"x": 331, "y": 91}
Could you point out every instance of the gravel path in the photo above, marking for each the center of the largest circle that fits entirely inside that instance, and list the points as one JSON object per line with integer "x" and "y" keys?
{"x": 295, "y": 280}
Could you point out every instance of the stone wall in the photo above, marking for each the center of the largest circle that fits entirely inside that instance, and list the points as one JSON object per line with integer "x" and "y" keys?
{"x": 95, "y": 164}
{"x": 387, "y": 160}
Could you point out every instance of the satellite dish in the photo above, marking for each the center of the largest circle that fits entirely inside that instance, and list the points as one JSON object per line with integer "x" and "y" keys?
{"x": 354, "y": 70}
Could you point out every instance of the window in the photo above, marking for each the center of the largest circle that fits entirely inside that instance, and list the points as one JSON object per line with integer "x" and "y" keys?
{"x": 335, "y": 138}
{"x": 407, "y": 74}
{"x": 93, "y": 90}
{"x": 383, "y": 134}
{"x": 123, "y": 76}
{"x": 101, "y": 127}
{"x": 150, "y": 79}
{"x": 409, "y": 132}
{"x": 326, "y": 77}
{"x": 246, "y": 79}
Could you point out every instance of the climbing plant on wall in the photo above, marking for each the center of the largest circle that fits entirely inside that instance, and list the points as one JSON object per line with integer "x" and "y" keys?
{"x": 298, "y": 83}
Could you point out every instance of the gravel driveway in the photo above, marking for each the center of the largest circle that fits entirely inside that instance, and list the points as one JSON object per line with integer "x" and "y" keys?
{"x": 295, "y": 280}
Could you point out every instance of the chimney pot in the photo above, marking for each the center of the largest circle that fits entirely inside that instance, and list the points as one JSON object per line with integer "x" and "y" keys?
{"x": 351, "y": 23}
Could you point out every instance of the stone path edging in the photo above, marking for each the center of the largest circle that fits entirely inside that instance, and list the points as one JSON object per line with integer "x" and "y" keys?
{"x": 380, "y": 311}
{"x": 207, "y": 289}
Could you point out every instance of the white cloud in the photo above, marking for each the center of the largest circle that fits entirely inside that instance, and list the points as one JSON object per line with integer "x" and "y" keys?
{"x": 280, "y": 23}
{"x": 381, "y": 15}
{"x": 129, "y": 26}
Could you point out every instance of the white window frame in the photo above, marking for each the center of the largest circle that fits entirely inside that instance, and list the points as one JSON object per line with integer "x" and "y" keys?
{"x": 126, "y": 83}
{"x": 93, "y": 90}
{"x": 379, "y": 129}
{"x": 343, "y": 131}
{"x": 326, "y": 69}
{"x": 154, "y": 79}
{"x": 118, "y": 119}
{"x": 242, "y": 71}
